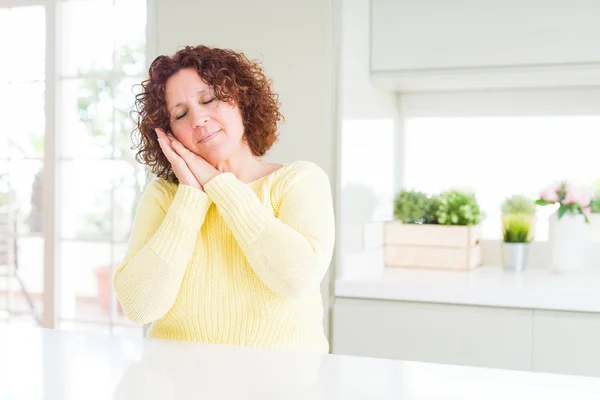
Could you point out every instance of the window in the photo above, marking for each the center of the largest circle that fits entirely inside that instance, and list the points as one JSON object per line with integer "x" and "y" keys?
{"x": 98, "y": 180}
{"x": 480, "y": 146}
{"x": 22, "y": 98}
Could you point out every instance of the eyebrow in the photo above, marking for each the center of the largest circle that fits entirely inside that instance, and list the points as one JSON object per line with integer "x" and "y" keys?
{"x": 200, "y": 92}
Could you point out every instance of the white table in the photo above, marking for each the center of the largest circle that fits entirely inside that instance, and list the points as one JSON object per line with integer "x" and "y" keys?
{"x": 54, "y": 365}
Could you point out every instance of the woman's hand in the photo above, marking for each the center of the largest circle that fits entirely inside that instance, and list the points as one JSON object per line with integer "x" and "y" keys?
{"x": 182, "y": 171}
{"x": 202, "y": 169}
{"x": 199, "y": 167}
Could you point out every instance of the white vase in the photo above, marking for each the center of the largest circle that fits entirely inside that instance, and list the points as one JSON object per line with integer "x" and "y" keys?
{"x": 567, "y": 238}
{"x": 594, "y": 227}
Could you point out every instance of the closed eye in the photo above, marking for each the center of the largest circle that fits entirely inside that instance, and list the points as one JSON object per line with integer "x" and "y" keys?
{"x": 180, "y": 116}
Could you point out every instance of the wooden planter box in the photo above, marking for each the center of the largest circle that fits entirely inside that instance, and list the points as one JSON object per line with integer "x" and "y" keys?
{"x": 432, "y": 246}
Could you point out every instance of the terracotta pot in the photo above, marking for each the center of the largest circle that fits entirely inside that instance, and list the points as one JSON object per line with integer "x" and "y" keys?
{"x": 103, "y": 278}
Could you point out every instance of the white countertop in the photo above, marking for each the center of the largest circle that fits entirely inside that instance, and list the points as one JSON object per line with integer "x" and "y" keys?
{"x": 485, "y": 286}
{"x": 53, "y": 365}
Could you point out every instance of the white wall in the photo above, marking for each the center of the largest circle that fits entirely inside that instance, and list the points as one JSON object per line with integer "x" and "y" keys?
{"x": 359, "y": 99}
{"x": 294, "y": 39}
{"x": 367, "y": 137}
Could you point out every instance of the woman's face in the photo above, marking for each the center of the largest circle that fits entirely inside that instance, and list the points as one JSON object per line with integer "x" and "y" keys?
{"x": 208, "y": 127}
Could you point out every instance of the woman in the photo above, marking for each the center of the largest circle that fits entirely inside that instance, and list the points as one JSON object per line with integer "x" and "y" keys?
{"x": 225, "y": 247}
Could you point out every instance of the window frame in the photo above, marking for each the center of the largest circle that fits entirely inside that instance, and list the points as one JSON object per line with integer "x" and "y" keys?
{"x": 52, "y": 160}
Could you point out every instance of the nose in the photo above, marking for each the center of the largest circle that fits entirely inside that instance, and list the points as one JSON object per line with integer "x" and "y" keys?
{"x": 199, "y": 116}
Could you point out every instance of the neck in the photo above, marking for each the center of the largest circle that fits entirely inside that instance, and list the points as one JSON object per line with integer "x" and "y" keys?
{"x": 244, "y": 166}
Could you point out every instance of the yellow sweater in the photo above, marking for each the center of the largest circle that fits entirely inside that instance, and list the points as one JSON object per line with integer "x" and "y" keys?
{"x": 239, "y": 264}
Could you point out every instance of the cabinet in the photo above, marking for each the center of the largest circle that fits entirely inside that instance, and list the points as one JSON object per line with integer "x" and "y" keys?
{"x": 440, "y": 44}
{"x": 438, "y": 34}
{"x": 494, "y": 337}
{"x": 566, "y": 342}
{"x": 441, "y": 333}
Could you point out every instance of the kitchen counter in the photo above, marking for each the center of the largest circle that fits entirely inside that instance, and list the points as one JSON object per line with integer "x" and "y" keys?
{"x": 484, "y": 286}
{"x": 57, "y": 365}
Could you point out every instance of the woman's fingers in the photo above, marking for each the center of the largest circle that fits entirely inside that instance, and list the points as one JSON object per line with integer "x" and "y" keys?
{"x": 166, "y": 148}
{"x": 201, "y": 168}
{"x": 182, "y": 150}
{"x": 160, "y": 133}
{"x": 180, "y": 167}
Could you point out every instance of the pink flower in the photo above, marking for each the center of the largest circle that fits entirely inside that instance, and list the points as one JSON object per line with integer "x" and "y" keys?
{"x": 587, "y": 210}
{"x": 586, "y": 200}
{"x": 577, "y": 195}
{"x": 550, "y": 194}
{"x": 557, "y": 186}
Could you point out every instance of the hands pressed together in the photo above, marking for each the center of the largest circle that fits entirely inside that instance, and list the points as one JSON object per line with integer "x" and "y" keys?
{"x": 189, "y": 168}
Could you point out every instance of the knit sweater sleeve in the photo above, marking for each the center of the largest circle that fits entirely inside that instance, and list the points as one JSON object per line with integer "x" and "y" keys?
{"x": 290, "y": 252}
{"x": 161, "y": 245}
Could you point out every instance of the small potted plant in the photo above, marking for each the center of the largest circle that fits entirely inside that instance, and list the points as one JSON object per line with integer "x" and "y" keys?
{"x": 434, "y": 231}
{"x": 521, "y": 205}
{"x": 410, "y": 207}
{"x": 516, "y": 233}
{"x": 457, "y": 207}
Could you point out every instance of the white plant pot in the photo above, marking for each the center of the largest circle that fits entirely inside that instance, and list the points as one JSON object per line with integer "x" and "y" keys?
{"x": 594, "y": 228}
{"x": 567, "y": 238}
{"x": 515, "y": 256}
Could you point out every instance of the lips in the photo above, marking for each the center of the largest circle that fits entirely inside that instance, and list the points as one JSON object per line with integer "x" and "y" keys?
{"x": 209, "y": 136}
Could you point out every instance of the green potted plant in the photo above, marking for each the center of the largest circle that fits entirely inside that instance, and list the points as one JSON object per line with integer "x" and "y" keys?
{"x": 458, "y": 207}
{"x": 434, "y": 231}
{"x": 516, "y": 233}
{"x": 596, "y": 197}
{"x": 411, "y": 207}
{"x": 433, "y": 205}
{"x": 521, "y": 205}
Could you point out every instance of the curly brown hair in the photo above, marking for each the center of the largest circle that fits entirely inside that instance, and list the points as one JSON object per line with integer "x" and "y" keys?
{"x": 232, "y": 77}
